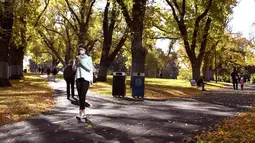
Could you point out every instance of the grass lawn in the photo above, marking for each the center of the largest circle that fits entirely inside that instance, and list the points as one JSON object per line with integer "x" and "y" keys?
{"x": 26, "y": 97}
{"x": 156, "y": 88}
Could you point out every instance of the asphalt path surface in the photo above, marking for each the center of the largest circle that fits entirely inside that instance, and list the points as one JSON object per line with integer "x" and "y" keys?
{"x": 127, "y": 120}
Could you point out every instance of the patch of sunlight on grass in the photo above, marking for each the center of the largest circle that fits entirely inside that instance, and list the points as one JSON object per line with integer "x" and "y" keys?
{"x": 25, "y": 98}
{"x": 159, "y": 88}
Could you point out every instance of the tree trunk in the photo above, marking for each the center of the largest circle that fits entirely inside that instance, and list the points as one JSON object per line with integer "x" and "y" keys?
{"x": 81, "y": 38}
{"x": 16, "y": 62}
{"x": 67, "y": 56}
{"x": 107, "y": 57}
{"x": 211, "y": 72}
{"x": 6, "y": 22}
{"x": 138, "y": 51}
{"x": 138, "y": 55}
{"x": 4, "y": 77}
{"x": 103, "y": 69}
{"x": 196, "y": 65}
{"x": 69, "y": 49}
{"x": 206, "y": 71}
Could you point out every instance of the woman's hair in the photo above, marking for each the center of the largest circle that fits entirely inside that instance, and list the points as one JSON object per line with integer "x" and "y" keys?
{"x": 85, "y": 48}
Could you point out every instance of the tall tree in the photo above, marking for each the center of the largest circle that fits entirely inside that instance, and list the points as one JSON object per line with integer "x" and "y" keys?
{"x": 179, "y": 11}
{"x": 19, "y": 39}
{"x": 82, "y": 17}
{"x": 135, "y": 22}
{"x": 194, "y": 20}
{"x": 6, "y": 19}
{"x": 108, "y": 52}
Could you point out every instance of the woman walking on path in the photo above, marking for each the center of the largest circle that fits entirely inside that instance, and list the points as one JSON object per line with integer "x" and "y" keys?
{"x": 235, "y": 78}
{"x": 83, "y": 67}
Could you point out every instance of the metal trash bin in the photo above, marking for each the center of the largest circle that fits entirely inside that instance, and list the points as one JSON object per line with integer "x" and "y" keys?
{"x": 119, "y": 84}
{"x": 138, "y": 85}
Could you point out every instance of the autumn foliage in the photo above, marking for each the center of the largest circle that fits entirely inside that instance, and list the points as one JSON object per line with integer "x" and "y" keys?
{"x": 25, "y": 98}
{"x": 240, "y": 129}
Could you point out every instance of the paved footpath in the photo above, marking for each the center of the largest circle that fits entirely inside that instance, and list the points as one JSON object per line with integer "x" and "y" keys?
{"x": 113, "y": 120}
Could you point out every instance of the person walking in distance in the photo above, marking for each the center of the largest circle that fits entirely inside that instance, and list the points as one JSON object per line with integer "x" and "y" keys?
{"x": 234, "y": 76}
{"x": 42, "y": 70}
{"x": 69, "y": 76}
{"x": 48, "y": 73}
{"x": 54, "y": 73}
{"x": 242, "y": 82}
{"x": 83, "y": 67}
{"x": 39, "y": 70}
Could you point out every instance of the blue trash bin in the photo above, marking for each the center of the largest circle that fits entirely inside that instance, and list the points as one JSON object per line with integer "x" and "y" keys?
{"x": 138, "y": 85}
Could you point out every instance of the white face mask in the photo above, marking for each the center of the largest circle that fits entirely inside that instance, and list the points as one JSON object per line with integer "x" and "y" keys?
{"x": 81, "y": 52}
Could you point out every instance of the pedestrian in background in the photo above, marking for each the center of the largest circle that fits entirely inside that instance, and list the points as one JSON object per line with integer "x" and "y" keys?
{"x": 69, "y": 76}
{"x": 54, "y": 73}
{"x": 48, "y": 73}
{"x": 234, "y": 76}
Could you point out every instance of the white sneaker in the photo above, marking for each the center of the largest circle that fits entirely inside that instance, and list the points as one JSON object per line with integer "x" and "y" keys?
{"x": 83, "y": 115}
{"x": 79, "y": 115}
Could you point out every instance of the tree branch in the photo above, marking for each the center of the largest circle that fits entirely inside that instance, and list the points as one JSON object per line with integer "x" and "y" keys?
{"x": 111, "y": 26}
{"x": 55, "y": 31}
{"x": 196, "y": 27}
{"x": 72, "y": 11}
{"x": 89, "y": 13}
{"x": 160, "y": 28}
{"x": 177, "y": 6}
{"x": 125, "y": 13}
{"x": 205, "y": 35}
{"x": 183, "y": 9}
{"x": 200, "y": 17}
{"x": 90, "y": 45}
{"x": 68, "y": 21}
{"x": 174, "y": 13}
{"x": 105, "y": 21}
{"x": 47, "y": 2}
{"x": 50, "y": 45}
{"x": 118, "y": 47}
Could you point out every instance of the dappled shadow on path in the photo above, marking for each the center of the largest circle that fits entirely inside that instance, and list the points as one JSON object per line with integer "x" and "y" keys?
{"x": 42, "y": 130}
{"x": 120, "y": 120}
{"x": 115, "y": 120}
{"x": 166, "y": 121}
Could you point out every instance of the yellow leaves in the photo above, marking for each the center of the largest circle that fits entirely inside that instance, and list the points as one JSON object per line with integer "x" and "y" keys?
{"x": 236, "y": 130}
{"x": 25, "y": 98}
